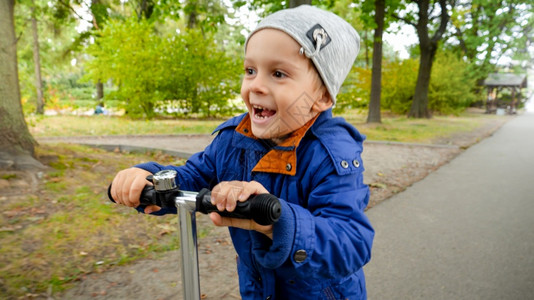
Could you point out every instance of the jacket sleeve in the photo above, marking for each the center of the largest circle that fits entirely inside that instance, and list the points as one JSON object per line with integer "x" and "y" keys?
{"x": 330, "y": 238}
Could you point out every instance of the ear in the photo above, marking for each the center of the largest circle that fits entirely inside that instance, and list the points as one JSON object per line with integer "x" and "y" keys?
{"x": 323, "y": 103}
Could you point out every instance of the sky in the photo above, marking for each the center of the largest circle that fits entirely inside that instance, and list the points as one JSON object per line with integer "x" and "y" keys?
{"x": 401, "y": 40}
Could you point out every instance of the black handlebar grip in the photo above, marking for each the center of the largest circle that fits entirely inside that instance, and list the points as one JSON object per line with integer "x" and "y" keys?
{"x": 147, "y": 196}
{"x": 264, "y": 209}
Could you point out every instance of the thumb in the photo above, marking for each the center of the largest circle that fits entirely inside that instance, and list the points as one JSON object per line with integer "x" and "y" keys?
{"x": 151, "y": 209}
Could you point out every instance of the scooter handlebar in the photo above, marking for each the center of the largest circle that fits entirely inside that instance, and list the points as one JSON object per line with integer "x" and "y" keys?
{"x": 264, "y": 209}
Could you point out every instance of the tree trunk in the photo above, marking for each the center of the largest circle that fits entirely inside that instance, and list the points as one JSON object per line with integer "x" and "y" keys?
{"x": 366, "y": 49}
{"x": 146, "y": 8}
{"x": 296, "y": 3}
{"x": 16, "y": 142}
{"x": 376, "y": 81}
{"x": 37, "y": 64}
{"x": 99, "y": 90}
{"x": 428, "y": 46}
{"x": 419, "y": 108}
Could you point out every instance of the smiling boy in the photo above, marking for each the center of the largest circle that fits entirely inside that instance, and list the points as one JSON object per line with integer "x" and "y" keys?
{"x": 289, "y": 145}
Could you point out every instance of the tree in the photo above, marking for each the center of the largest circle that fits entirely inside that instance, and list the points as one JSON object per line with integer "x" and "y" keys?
{"x": 428, "y": 45}
{"x": 376, "y": 83}
{"x": 37, "y": 62}
{"x": 377, "y": 14}
{"x": 295, "y": 3}
{"x": 187, "y": 71}
{"x": 271, "y": 6}
{"x": 16, "y": 142}
{"x": 484, "y": 30}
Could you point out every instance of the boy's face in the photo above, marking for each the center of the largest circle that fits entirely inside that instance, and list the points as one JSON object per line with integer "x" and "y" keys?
{"x": 281, "y": 88}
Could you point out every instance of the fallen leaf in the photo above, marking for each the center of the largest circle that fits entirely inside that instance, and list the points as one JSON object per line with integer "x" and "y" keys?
{"x": 378, "y": 185}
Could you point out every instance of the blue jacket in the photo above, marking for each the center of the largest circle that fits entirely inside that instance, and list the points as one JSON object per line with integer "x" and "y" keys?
{"x": 323, "y": 238}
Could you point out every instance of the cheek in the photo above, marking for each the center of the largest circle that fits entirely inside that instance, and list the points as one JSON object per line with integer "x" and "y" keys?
{"x": 244, "y": 89}
{"x": 299, "y": 111}
{"x": 244, "y": 93}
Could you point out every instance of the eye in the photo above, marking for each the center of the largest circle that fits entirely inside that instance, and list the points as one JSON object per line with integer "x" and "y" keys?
{"x": 279, "y": 74}
{"x": 250, "y": 71}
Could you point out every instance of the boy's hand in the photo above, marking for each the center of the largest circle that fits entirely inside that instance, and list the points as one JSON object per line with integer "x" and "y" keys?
{"x": 127, "y": 186}
{"x": 225, "y": 196}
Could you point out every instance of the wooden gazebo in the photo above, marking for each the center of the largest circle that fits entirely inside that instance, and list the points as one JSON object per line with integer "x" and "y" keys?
{"x": 496, "y": 82}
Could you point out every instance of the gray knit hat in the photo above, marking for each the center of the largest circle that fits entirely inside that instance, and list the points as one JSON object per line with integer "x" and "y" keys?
{"x": 310, "y": 26}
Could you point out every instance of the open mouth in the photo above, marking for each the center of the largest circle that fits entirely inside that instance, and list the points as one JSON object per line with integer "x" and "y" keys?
{"x": 261, "y": 112}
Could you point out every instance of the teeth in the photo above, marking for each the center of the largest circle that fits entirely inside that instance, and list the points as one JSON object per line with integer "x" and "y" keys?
{"x": 260, "y": 109}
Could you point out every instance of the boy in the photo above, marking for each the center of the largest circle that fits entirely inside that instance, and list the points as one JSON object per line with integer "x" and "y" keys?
{"x": 288, "y": 145}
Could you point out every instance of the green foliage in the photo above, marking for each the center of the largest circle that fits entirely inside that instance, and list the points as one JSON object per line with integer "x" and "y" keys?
{"x": 354, "y": 94}
{"x": 187, "y": 71}
{"x": 485, "y": 30}
{"x": 450, "y": 89}
{"x": 398, "y": 85}
{"x": 127, "y": 52}
{"x": 55, "y": 31}
{"x": 451, "y": 84}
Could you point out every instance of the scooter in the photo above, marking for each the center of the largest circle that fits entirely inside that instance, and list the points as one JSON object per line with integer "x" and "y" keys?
{"x": 264, "y": 209}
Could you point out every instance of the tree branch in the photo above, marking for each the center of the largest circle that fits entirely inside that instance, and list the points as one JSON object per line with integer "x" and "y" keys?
{"x": 67, "y": 5}
{"x": 443, "y": 24}
{"x": 405, "y": 20}
{"x": 459, "y": 36}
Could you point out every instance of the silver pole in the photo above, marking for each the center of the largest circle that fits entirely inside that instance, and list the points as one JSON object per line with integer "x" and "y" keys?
{"x": 188, "y": 248}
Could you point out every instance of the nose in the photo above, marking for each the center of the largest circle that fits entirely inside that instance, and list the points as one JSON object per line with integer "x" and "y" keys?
{"x": 257, "y": 84}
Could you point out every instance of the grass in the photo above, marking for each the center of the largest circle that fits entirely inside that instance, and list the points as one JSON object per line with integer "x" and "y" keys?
{"x": 63, "y": 125}
{"x": 402, "y": 129}
{"x": 392, "y": 128}
{"x": 67, "y": 227}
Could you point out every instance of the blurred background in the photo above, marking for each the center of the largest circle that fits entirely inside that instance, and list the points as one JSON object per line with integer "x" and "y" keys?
{"x": 145, "y": 58}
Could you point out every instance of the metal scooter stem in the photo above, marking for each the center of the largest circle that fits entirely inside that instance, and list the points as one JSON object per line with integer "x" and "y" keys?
{"x": 188, "y": 248}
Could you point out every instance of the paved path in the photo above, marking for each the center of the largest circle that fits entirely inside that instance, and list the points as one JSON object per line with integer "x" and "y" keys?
{"x": 466, "y": 231}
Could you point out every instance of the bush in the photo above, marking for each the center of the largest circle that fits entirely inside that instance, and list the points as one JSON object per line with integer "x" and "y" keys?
{"x": 188, "y": 69}
{"x": 398, "y": 85}
{"x": 451, "y": 86}
{"x": 450, "y": 90}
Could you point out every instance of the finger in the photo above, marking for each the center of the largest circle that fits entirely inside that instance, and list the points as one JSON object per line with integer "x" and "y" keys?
{"x": 116, "y": 186}
{"x": 234, "y": 190}
{"x": 127, "y": 191}
{"x": 246, "y": 224}
{"x": 218, "y": 220}
{"x": 225, "y": 194}
{"x": 138, "y": 184}
{"x": 218, "y": 195}
{"x": 151, "y": 209}
{"x": 250, "y": 189}
{"x": 127, "y": 186}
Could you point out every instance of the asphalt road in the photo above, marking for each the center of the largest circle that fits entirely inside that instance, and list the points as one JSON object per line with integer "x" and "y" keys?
{"x": 466, "y": 231}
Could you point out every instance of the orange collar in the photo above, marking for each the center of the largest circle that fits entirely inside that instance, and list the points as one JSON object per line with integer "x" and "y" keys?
{"x": 282, "y": 158}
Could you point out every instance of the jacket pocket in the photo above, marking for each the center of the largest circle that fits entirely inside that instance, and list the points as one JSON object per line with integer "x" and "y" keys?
{"x": 350, "y": 288}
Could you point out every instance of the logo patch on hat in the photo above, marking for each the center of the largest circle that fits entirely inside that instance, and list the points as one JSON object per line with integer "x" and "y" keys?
{"x": 313, "y": 35}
